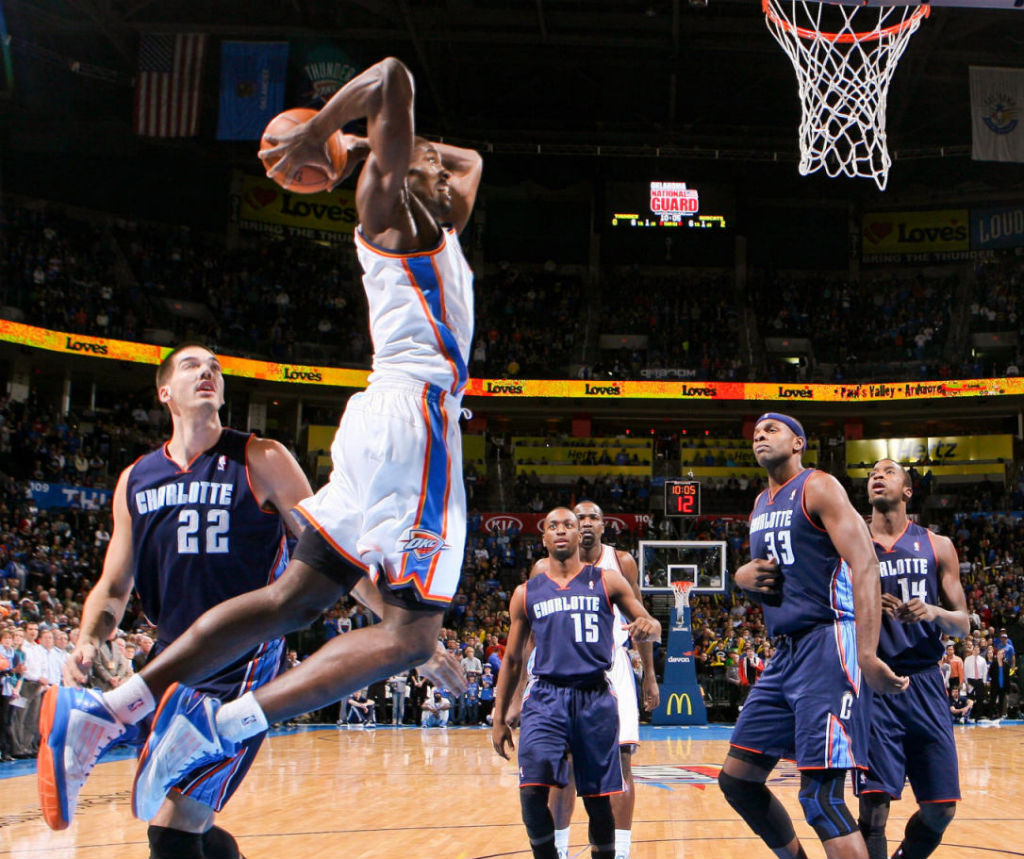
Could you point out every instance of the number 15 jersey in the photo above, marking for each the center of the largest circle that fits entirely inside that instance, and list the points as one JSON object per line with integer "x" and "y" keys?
{"x": 199, "y": 536}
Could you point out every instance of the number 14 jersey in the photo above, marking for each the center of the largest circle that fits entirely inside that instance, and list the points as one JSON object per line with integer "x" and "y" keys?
{"x": 199, "y": 536}
{"x": 909, "y": 569}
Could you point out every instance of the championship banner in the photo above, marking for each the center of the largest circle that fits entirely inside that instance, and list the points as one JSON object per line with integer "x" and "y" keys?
{"x": 47, "y": 495}
{"x": 997, "y": 97}
{"x": 997, "y": 228}
{"x": 266, "y": 207}
{"x": 252, "y": 79}
{"x": 900, "y": 234}
{"x": 530, "y": 523}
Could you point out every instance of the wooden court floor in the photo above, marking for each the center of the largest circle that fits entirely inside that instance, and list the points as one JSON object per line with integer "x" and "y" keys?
{"x": 390, "y": 794}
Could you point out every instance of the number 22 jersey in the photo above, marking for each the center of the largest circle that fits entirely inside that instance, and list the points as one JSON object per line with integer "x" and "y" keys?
{"x": 199, "y": 536}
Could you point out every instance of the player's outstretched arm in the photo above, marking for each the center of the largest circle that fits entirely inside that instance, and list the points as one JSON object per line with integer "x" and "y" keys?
{"x": 511, "y": 668}
{"x": 650, "y": 690}
{"x": 951, "y": 615}
{"x": 642, "y": 626}
{"x": 825, "y": 498}
{"x": 105, "y": 605}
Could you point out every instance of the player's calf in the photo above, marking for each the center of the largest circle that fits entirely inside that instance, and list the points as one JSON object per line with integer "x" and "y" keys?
{"x": 601, "y": 828}
{"x": 540, "y": 825}
{"x": 872, "y": 818}
{"x": 924, "y": 830}
{"x": 759, "y": 808}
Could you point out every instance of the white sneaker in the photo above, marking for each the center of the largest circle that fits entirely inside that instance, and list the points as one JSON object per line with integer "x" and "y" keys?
{"x": 76, "y": 729}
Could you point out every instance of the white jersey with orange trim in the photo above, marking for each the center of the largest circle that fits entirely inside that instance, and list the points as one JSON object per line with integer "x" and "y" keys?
{"x": 421, "y": 312}
{"x": 621, "y": 675}
{"x": 609, "y": 560}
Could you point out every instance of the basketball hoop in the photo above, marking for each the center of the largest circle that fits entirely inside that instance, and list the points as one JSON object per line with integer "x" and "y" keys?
{"x": 843, "y": 75}
{"x": 681, "y": 592}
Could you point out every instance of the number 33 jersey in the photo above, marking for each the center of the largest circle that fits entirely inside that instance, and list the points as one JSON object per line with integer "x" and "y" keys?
{"x": 909, "y": 569}
{"x": 199, "y": 536}
{"x": 816, "y": 585}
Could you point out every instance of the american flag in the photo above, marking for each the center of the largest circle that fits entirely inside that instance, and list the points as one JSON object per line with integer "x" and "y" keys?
{"x": 168, "y": 84}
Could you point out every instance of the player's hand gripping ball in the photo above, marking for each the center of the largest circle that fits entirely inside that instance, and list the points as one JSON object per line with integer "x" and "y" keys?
{"x": 305, "y": 164}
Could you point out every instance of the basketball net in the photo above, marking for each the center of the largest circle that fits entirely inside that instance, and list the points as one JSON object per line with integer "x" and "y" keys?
{"x": 681, "y": 592}
{"x": 843, "y": 75}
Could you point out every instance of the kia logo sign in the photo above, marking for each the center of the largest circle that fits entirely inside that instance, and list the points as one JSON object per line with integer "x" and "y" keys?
{"x": 494, "y": 524}
{"x": 616, "y": 524}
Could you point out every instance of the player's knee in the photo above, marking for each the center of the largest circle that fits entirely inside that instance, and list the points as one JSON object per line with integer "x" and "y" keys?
{"x": 540, "y": 826}
{"x": 873, "y": 813}
{"x": 743, "y": 795}
{"x": 937, "y": 815}
{"x": 821, "y": 797}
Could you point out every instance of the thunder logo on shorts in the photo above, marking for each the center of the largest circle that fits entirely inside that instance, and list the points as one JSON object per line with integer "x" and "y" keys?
{"x": 422, "y": 544}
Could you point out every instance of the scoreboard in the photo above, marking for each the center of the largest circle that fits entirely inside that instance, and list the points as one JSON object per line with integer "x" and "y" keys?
{"x": 670, "y": 204}
{"x": 682, "y": 497}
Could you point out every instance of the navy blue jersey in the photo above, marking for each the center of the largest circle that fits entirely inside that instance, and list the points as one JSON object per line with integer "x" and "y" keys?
{"x": 199, "y": 536}
{"x": 572, "y": 627}
{"x": 816, "y": 585}
{"x": 910, "y": 569}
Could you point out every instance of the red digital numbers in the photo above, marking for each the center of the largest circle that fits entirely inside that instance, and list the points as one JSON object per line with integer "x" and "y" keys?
{"x": 682, "y": 498}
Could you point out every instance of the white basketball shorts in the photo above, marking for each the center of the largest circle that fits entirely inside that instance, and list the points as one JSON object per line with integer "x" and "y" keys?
{"x": 395, "y": 503}
{"x": 623, "y": 683}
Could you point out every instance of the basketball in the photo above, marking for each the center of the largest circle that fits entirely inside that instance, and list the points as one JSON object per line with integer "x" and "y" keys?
{"x": 309, "y": 179}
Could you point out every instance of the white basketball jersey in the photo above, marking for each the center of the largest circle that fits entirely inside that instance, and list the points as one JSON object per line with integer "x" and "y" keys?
{"x": 421, "y": 312}
{"x": 609, "y": 560}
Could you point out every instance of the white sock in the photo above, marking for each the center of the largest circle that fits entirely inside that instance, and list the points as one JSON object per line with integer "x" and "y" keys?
{"x": 131, "y": 701}
{"x": 240, "y": 719}
{"x": 562, "y": 839}
{"x": 623, "y": 840}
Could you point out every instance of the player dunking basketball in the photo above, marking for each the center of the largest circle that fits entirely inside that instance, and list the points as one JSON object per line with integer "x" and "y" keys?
{"x": 911, "y": 734}
{"x": 562, "y": 801}
{"x": 196, "y": 522}
{"x": 814, "y": 569}
{"x": 394, "y": 507}
{"x": 568, "y": 703}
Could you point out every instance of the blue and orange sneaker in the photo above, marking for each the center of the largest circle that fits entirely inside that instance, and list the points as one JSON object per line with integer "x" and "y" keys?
{"x": 75, "y": 730}
{"x": 183, "y": 738}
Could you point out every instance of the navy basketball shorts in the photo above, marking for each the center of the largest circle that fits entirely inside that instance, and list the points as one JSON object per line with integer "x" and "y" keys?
{"x": 562, "y": 720}
{"x": 214, "y": 784}
{"x": 912, "y": 737}
{"x": 807, "y": 706}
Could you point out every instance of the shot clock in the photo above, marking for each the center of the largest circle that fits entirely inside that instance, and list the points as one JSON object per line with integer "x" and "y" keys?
{"x": 682, "y": 497}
